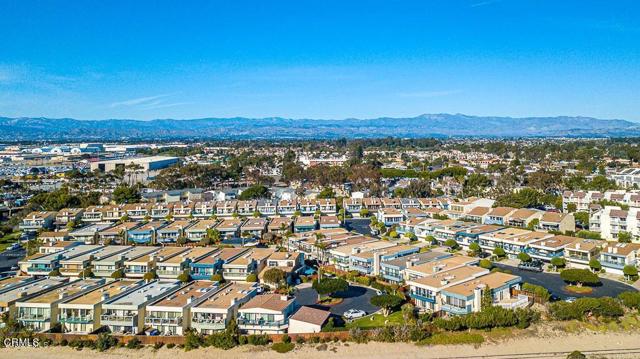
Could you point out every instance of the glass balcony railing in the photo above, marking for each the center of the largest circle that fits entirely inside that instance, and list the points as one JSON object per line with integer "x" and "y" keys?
{"x": 163, "y": 321}
{"x": 262, "y": 323}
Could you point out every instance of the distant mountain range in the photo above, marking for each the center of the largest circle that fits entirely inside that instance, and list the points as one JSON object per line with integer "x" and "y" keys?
{"x": 428, "y": 125}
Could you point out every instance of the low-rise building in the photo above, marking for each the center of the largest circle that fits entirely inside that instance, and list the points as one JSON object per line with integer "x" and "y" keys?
{"x": 466, "y": 297}
{"x": 125, "y": 313}
{"x": 40, "y": 312}
{"x": 81, "y": 314}
{"x": 304, "y": 224}
{"x": 308, "y": 320}
{"x": 175, "y": 265}
{"x": 214, "y": 313}
{"x": 139, "y": 266}
{"x": 146, "y": 233}
{"x": 17, "y": 290}
{"x": 580, "y": 252}
{"x": 266, "y": 314}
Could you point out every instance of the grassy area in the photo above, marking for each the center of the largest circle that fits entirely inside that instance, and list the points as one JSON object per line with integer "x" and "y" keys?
{"x": 578, "y": 290}
{"x": 448, "y": 338}
{"x": 8, "y": 240}
{"x": 377, "y": 321}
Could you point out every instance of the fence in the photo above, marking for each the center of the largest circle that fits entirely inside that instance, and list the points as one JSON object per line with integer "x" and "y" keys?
{"x": 532, "y": 296}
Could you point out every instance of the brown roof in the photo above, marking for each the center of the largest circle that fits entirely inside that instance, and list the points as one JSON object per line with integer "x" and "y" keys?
{"x": 311, "y": 315}
{"x": 268, "y": 301}
{"x": 555, "y": 217}
{"x": 618, "y": 213}
{"x": 479, "y": 211}
{"x": 501, "y": 211}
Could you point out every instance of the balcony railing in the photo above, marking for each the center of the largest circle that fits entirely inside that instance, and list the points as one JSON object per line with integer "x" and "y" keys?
{"x": 128, "y": 320}
{"x": 520, "y": 301}
{"x": 454, "y": 310}
{"x": 263, "y": 323}
{"x": 422, "y": 297}
{"x": 83, "y": 319}
{"x": 163, "y": 321}
{"x": 34, "y": 317}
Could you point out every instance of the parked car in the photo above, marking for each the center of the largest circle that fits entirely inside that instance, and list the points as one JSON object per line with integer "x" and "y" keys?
{"x": 354, "y": 313}
{"x": 530, "y": 266}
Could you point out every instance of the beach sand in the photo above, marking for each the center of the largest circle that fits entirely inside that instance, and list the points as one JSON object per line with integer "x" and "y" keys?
{"x": 502, "y": 349}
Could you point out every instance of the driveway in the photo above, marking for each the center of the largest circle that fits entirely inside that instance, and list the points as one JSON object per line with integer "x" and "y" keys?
{"x": 356, "y": 297}
{"x": 555, "y": 284}
{"x": 359, "y": 225}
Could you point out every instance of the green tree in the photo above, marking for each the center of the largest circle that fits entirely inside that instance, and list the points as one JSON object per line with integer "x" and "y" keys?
{"x": 328, "y": 286}
{"x": 486, "y": 301}
{"x": 255, "y": 192}
{"x": 387, "y": 302}
{"x": 595, "y": 265}
{"x": 275, "y": 276}
{"x": 475, "y": 248}
{"x": 499, "y": 252}
{"x": 252, "y": 278}
{"x": 184, "y": 277}
{"x": 451, "y": 243}
{"x": 149, "y": 276}
{"x": 327, "y": 192}
{"x": 624, "y": 237}
{"x": 579, "y": 277}
{"x": 630, "y": 272}
{"x": 126, "y": 194}
{"x": 558, "y": 262}
{"x": 524, "y": 257}
{"x": 485, "y": 263}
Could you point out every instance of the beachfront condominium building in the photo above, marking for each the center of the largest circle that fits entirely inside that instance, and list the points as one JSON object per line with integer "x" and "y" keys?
{"x": 426, "y": 291}
{"x": 40, "y": 312}
{"x": 13, "y": 290}
{"x": 41, "y": 264}
{"x": 550, "y": 247}
{"x": 116, "y": 234}
{"x": 81, "y": 314}
{"x": 466, "y": 297}
{"x": 146, "y": 233}
{"x": 615, "y": 256}
{"x": 266, "y": 314}
{"x": 171, "y": 313}
{"x": 214, "y": 312}
{"x": 125, "y": 313}
{"x": 304, "y": 224}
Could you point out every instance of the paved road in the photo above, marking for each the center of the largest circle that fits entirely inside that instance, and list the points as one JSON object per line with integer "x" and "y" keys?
{"x": 555, "y": 284}
{"x": 355, "y": 297}
{"x": 11, "y": 258}
{"x": 360, "y": 225}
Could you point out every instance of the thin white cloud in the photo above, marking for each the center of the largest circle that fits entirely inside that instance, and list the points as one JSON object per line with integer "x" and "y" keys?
{"x": 429, "y": 94}
{"x": 149, "y": 100}
{"x": 484, "y": 3}
{"x": 165, "y": 105}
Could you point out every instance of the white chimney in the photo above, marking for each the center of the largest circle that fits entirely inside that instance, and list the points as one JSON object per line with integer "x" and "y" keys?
{"x": 577, "y": 245}
{"x": 190, "y": 300}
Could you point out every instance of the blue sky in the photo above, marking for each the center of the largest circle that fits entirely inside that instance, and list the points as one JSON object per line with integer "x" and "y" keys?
{"x": 319, "y": 59}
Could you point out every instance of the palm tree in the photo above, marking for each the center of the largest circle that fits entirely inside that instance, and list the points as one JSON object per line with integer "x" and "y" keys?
{"x": 321, "y": 247}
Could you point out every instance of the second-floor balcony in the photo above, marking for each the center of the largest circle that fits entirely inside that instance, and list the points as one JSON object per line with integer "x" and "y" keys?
{"x": 81, "y": 319}
{"x": 422, "y": 296}
{"x": 259, "y": 323}
{"x": 163, "y": 321}
{"x": 119, "y": 319}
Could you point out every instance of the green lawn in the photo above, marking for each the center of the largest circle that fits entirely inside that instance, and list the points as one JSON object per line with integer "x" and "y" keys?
{"x": 376, "y": 321}
{"x": 8, "y": 240}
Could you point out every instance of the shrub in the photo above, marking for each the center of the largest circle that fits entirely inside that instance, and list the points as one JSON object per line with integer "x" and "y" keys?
{"x": 258, "y": 339}
{"x": 576, "y": 355}
{"x": 524, "y": 257}
{"x": 252, "y": 278}
{"x": 486, "y": 264}
{"x": 453, "y": 338}
{"x": 157, "y": 346}
{"x": 630, "y": 272}
{"x": 283, "y": 347}
{"x": 601, "y": 307}
{"x": 630, "y": 299}
{"x": 105, "y": 341}
{"x": 451, "y": 243}
{"x": 222, "y": 340}
{"x": 595, "y": 265}
{"x": 184, "y": 277}
{"x": 329, "y": 286}
{"x": 537, "y": 290}
{"x": 217, "y": 278}
{"x": 558, "y": 262}
{"x": 192, "y": 340}
{"x": 579, "y": 276}
{"x": 490, "y": 317}
{"x": 475, "y": 248}
{"x": 170, "y": 346}
{"x": 499, "y": 252}
{"x": 134, "y": 343}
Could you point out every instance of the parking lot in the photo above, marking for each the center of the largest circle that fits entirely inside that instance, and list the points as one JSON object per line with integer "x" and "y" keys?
{"x": 555, "y": 284}
{"x": 11, "y": 258}
{"x": 356, "y": 297}
{"x": 359, "y": 225}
